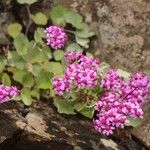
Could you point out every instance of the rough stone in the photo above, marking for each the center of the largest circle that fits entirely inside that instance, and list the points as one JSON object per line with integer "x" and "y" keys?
{"x": 41, "y": 127}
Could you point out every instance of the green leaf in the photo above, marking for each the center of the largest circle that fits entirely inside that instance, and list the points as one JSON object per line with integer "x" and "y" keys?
{"x": 23, "y": 77}
{"x": 28, "y": 80}
{"x": 18, "y": 75}
{"x": 15, "y": 60}
{"x": 52, "y": 92}
{"x": 83, "y": 41}
{"x": 133, "y": 122}
{"x": 124, "y": 74}
{"x": 39, "y": 35}
{"x": 55, "y": 67}
{"x": 21, "y": 44}
{"x": 36, "y": 69}
{"x": 35, "y": 93}
{"x": 74, "y": 47}
{"x": 74, "y": 19}
{"x": 14, "y": 29}
{"x": 6, "y": 79}
{"x": 26, "y": 97}
{"x": 82, "y": 108}
{"x": 47, "y": 51}
{"x": 29, "y": 2}
{"x": 64, "y": 106}
{"x": 89, "y": 54}
{"x": 58, "y": 55}
{"x": 43, "y": 81}
{"x": 2, "y": 65}
{"x": 36, "y": 55}
{"x": 17, "y": 98}
{"x": 57, "y": 14}
{"x": 39, "y": 18}
{"x": 103, "y": 69}
{"x": 84, "y": 32}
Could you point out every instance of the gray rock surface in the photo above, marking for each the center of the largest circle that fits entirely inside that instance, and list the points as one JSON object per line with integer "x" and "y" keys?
{"x": 41, "y": 126}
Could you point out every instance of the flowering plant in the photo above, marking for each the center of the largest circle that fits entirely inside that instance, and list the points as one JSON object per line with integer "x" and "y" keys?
{"x": 37, "y": 52}
{"x": 52, "y": 61}
{"x": 114, "y": 100}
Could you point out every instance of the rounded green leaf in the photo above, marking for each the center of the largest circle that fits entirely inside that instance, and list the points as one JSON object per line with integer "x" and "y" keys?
{"x": 18, "y": 76}
{"x": 83, "y": 41}
{"x": 37, "y": 55}
{"x": 39, "y": 35}
{"x": 26, "y": 96}
{"x": 124, "y": 74}
{"x": 74, "y": 19}
{"x": 64, "y": 106}
{"x": 28, "y": 80}
{"x": 82, "y": 108}
{"x": 133, "y": 122}
{"x": 57, "y": 14}
{"x": 84, "y": 32}
{"x": 21, "y": 44}
{"x": 23, "y": 77}
{"x": 58, "y": 55}
{"x": 43, "y": 81}
{"x": 15, "y": 60}
{"x": 35, "y": 93}
{"x": 103, "y": 69}
{"x": 6, "y": 79}
{"x": 36, "y": 69}
{"x": 14, "y": 29}
{"x": 74, "y": 47}
{"x": 27, "y": 1}
{"x": 39, "y": 18}
{"x": 55, "y": 67}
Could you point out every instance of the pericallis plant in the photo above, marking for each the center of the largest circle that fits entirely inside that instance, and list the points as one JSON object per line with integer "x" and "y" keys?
{"x": 54, "y": 63}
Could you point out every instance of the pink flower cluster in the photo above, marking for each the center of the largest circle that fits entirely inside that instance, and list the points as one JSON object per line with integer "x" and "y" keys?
{"x": 56, "y": 37}
{"x": 61, "y": 86}
{"x": 6, "y": 93}
{"x": 120, "y": 101}
{"x": 81, "y": 72}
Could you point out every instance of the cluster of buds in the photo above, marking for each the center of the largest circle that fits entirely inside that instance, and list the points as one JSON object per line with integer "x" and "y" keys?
{"x": 120, "y": 101}
{"x": 6, "y": 93}
{"x": 81, "y": 72}
{"x": 56, "y": 37}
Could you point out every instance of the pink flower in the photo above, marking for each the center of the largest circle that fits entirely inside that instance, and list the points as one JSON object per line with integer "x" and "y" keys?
{"x": 6, "y": 93}
{"x": 112, "y": 80}
{"x": 81, "y": 72}
{"x": 60, "y": 86}
{"x": 121, "y": 100}
{"x": 73, "y": 56}
{"x": 56, "y": 37}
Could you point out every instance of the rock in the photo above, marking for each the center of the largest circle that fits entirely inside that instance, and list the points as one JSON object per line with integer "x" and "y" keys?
{"x": 41, "y": 127}
{"x": 110, "y": 143}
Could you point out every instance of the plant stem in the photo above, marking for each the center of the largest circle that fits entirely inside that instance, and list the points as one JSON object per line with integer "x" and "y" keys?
{"x": 69, "y": 31}
{"x": 30, "y": 20}
{"x": 129, "y": 93}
